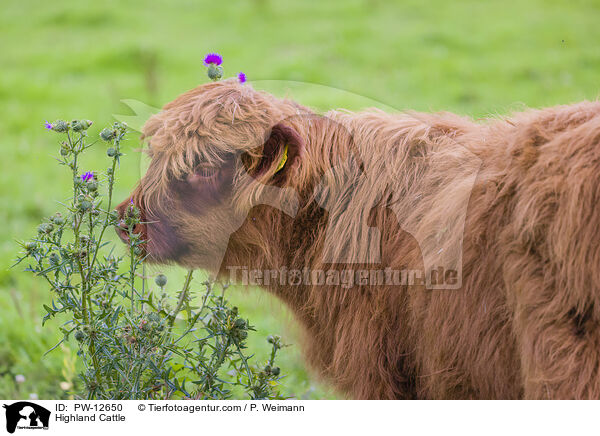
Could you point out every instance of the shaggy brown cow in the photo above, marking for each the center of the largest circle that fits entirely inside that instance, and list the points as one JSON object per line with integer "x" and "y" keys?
{"x": 521, "y": 320}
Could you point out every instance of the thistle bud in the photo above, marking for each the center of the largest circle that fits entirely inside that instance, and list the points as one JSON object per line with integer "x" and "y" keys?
{"x": 215, "y": 72}
{"x": 275, "y": 371}
{"x": 30, "y": 246}
{"x": 133, "y": 211}
{"x": 58, "y": 219}
{"x": 79, "y": 335}
{"x": 161, "y": 280}
{"x": 45, "y": 228}
{"x": 54, "y": 259}
{"x": 77, "y": 126}
{"x": 239, "y": 323}
{"x": 85, "y": 205}
{"x": 107, "y": 134}
{"x": 111, "y": 152}
{"x": 60, "y": 126}
{"x": 92, "y": 186}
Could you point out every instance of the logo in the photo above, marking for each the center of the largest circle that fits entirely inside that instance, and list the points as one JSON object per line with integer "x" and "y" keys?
{"x": 26, "y": 415}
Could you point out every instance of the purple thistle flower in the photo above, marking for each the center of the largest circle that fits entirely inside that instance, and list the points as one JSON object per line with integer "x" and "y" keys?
{"x": 87, "y": 176}
{"x": 47, "y": 125}
{"x": 213, "y": 58}
{"x": 242, "y": 77}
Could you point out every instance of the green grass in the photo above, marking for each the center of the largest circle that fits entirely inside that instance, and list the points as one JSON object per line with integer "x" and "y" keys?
{"x": 80, "y": 59}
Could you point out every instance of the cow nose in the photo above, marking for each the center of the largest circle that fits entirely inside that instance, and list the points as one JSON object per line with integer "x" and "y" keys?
{"x": 124, "y": 211}
{"x": 123, "y": 231}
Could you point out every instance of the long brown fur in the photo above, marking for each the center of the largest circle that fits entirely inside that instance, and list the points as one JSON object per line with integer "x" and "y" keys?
{"x": 524, "y": 324}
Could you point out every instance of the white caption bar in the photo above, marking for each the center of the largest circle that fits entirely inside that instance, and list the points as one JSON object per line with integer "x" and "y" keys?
{"x": 276, "y": 417}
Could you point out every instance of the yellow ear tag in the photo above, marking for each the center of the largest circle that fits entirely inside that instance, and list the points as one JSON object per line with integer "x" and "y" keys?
{"x": 283, "y": 159}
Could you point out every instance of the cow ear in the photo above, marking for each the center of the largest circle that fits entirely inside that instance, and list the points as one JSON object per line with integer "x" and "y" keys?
{"x": 278, "y": 156}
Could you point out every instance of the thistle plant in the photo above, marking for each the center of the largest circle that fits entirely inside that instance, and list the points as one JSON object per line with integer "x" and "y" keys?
{"x": 135, "y": 341}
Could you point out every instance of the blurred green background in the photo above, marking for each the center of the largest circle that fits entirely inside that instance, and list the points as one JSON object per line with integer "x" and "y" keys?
{"x": 79, "y": 59}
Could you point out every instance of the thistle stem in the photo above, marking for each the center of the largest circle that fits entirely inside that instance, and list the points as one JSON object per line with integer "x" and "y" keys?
{"x": 182, "y": 297}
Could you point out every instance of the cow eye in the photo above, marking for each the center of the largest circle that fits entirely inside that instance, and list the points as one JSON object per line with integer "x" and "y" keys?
{"x": 206, "y": 171}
